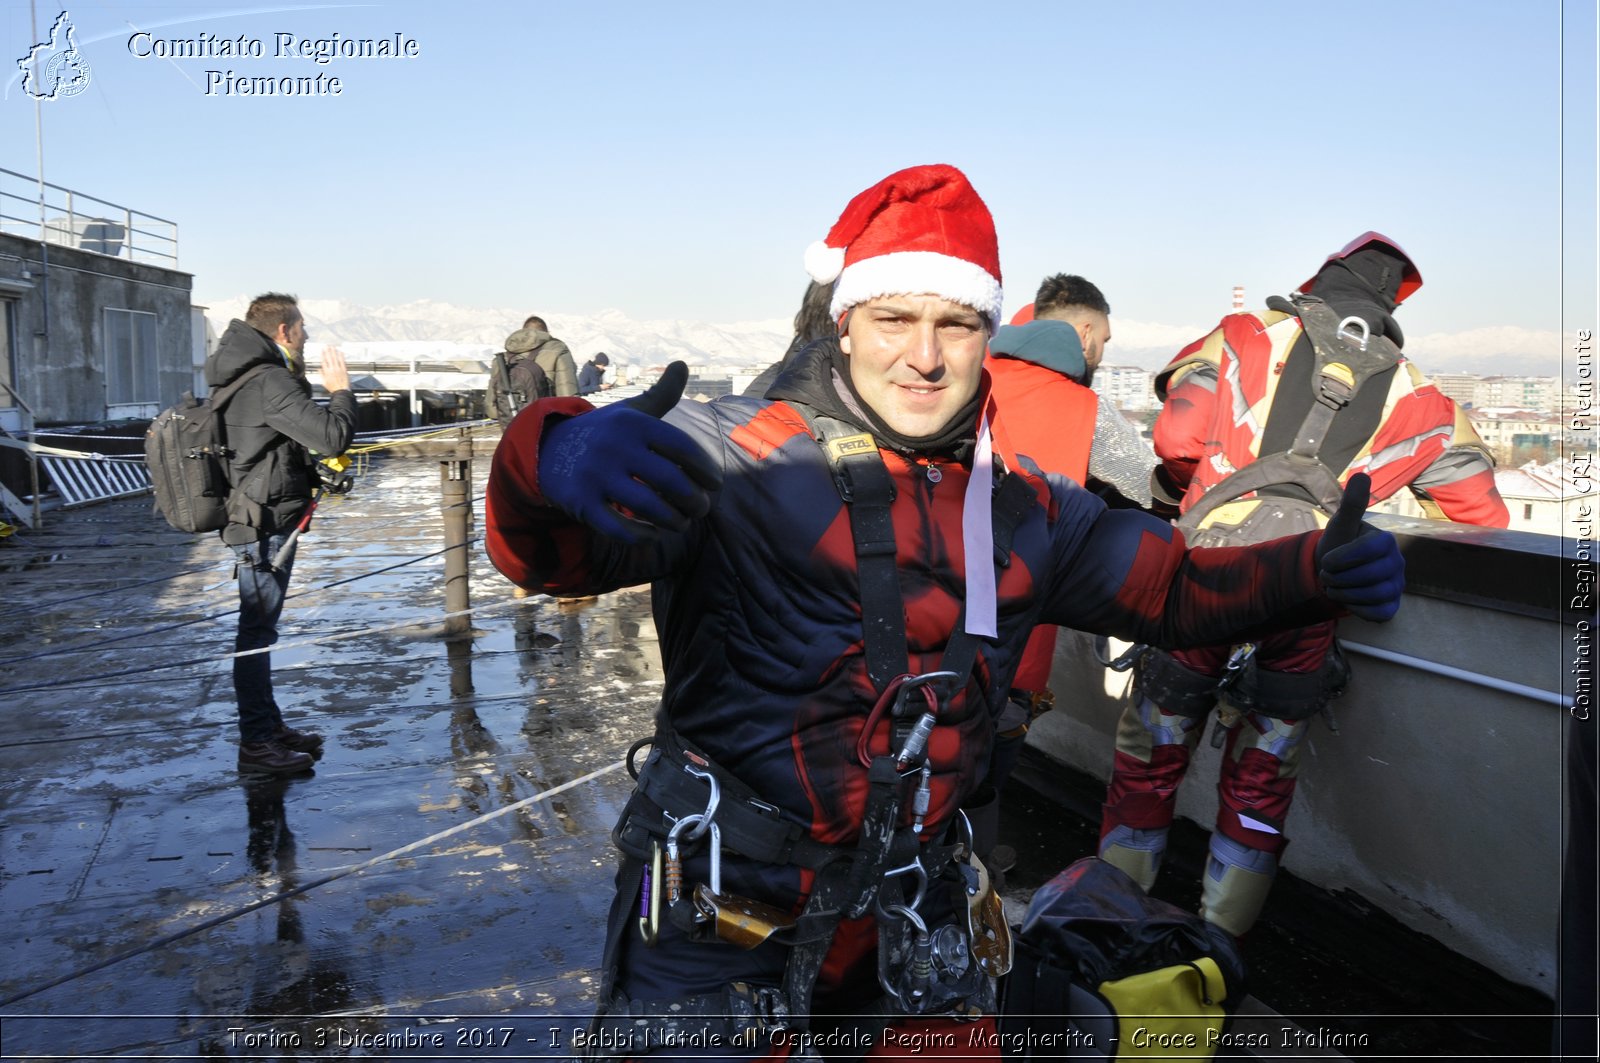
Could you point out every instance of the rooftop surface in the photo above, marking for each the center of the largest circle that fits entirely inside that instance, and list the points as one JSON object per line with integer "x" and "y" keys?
{"x": 438, "y": 886}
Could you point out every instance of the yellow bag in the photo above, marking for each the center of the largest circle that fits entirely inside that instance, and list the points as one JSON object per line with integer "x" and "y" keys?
{"x": 1175, "y": 1009}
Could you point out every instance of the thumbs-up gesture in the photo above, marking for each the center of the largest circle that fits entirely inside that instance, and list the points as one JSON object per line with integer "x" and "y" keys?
{"x": 623, "y": 457}
{"x": 1360, "y": 566}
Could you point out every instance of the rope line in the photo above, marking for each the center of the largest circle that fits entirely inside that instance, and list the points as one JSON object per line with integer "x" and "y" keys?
{"x": 169, "y": 939}
{"x": 42, "y": 606}
{"x": 102, "y": 643}
{"x": 520, "y": 694}
{"x": 332, "y": 517}
{"x": 62, "y": 684}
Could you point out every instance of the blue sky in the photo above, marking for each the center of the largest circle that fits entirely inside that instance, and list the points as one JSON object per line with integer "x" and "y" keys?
{"x": 674, "y": 160}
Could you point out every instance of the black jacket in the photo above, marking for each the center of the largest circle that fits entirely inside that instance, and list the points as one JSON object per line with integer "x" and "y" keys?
{"x": 270, "y": 423}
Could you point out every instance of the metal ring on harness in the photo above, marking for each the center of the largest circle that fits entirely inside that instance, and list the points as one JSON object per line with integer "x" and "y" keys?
{"x": 913, "y": 868}
{"x": 1350, "y": 323}
{"x": 633, "y": 750}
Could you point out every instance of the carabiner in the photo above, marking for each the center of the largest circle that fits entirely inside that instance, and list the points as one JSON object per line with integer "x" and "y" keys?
{"x": 650, "y": 896}
{"x": 913, "y": 868}
{"x": 922, "y": 682}
{"x": 1240, "y": 656}
{"x": 704, "y": 818}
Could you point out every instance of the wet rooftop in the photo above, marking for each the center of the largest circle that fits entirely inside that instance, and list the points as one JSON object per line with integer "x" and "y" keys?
{"x": 136, "y": 858}
{"x": 436, "y": 888}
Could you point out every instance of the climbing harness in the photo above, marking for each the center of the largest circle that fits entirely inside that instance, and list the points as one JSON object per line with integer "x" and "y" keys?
{"x": 1293, "y": 490}
{"x": 943, "y": 938}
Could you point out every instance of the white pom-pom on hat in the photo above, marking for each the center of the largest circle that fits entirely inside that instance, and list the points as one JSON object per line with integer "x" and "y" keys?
{"x": 824, "y": 263}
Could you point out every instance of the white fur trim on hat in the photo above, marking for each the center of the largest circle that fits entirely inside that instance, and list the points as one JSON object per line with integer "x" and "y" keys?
{"x": 919, "y": 273}
{"x": 824, "y": 262}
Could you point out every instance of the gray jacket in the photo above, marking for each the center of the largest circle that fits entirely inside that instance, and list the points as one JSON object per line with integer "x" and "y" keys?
{"x": 555, "y": 359}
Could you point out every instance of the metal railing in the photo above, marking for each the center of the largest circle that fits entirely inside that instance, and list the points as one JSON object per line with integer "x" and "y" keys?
{"x": 87, "y": 223}
{"x": 30, "y": 516}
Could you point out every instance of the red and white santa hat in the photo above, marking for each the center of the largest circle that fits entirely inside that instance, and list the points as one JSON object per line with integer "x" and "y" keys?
{"x": 920, "y": 231}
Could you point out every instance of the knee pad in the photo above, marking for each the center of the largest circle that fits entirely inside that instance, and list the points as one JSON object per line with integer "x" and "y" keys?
{"x": 1135, "y": 852}
{"x": 1235, "y": 885}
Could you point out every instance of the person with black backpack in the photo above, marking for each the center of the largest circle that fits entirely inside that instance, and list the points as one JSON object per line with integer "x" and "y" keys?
{"x": 272, "y": 425}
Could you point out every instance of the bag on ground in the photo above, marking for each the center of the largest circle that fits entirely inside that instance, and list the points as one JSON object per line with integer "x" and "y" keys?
{"x": 1104, "y": 971}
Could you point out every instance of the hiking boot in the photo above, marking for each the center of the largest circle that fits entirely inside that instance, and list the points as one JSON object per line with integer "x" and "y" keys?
{"x": 273, "y": 758}
{"x": 299, "y": 741}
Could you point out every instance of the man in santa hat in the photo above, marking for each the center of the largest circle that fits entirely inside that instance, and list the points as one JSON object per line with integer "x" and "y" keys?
{"x": 844, "y": 575}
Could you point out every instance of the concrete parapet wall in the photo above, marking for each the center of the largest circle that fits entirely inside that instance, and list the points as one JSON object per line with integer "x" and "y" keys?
{"x": 1439, "y": 802}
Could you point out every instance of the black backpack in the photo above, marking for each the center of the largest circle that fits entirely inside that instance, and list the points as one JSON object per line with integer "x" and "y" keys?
{"x": 1296, "y": 490}
{"x": 515, "y": 381}
{"x": 186, "y": 451}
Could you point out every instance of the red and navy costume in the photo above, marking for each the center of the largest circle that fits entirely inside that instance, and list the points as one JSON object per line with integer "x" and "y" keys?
{"x": 758, "y": 607}
{"x": 1219, "y": 394}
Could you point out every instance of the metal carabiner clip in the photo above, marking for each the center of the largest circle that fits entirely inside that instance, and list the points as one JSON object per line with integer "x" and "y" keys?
{"x": 650, "y": 897}
{"x": 913, "y": 868}
{"x": 1240, "y": 657}
{"x": 704, "y": 818}
{"x": 920, "y": 682}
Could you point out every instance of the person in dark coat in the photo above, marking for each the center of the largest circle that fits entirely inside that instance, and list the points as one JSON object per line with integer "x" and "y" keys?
{"x": 591, "y": 377}
{"x": 812, "y": 324}
{"x": 272, "y": 426}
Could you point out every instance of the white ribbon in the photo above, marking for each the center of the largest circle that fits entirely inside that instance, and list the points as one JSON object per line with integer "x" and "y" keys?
{"x": 977, "y": 536}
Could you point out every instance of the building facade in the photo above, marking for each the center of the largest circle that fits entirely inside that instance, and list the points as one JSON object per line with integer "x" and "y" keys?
{"x": 86, "y": 337}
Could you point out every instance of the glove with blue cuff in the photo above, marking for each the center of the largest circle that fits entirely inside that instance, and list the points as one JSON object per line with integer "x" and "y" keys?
{"x": 624, "y": 459}
{"x": 1360, "y": 566}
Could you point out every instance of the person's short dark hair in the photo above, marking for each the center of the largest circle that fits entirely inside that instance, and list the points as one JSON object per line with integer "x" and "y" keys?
{"x": 269, "y": 311}
{"x": 1068, "y": 291}
{"x": 601, "y": 359}
{"x": 535, "y": 321}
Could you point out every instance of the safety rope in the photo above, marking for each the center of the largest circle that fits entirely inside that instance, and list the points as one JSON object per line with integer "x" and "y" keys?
{"x": 163, "y": 942}
{"x": 59, "y": 651}
{"x": 226, "y": 613}
{"x": 324, "y": 518}
{"x": 490, "y": 608}
{"x": 387, "y": 710}
{"x": 381, "y": 433}
{"x": 37, "y": 608}
{"x": 396, "y": 439}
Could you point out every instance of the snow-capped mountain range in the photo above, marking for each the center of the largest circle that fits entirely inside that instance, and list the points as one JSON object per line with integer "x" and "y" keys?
{"x": 444, "y": 331}
{"x": 430, "y": 329}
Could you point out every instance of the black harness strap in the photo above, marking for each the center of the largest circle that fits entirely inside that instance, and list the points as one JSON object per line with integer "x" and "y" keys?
{"x": 868, "y": 491}
{"x": 846, "y": 882}
{"x": 1342, "y": 366}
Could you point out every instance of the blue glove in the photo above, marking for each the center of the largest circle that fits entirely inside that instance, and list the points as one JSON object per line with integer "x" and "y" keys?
{"x": 623, "y": 456}
{"x": 1360, "y": 566}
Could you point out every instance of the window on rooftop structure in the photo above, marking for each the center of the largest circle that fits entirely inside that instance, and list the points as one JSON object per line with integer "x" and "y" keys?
{"x": 1527, "y": 511}
{"x": 131, "y": 375}
{"x": 8, "y": 358}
